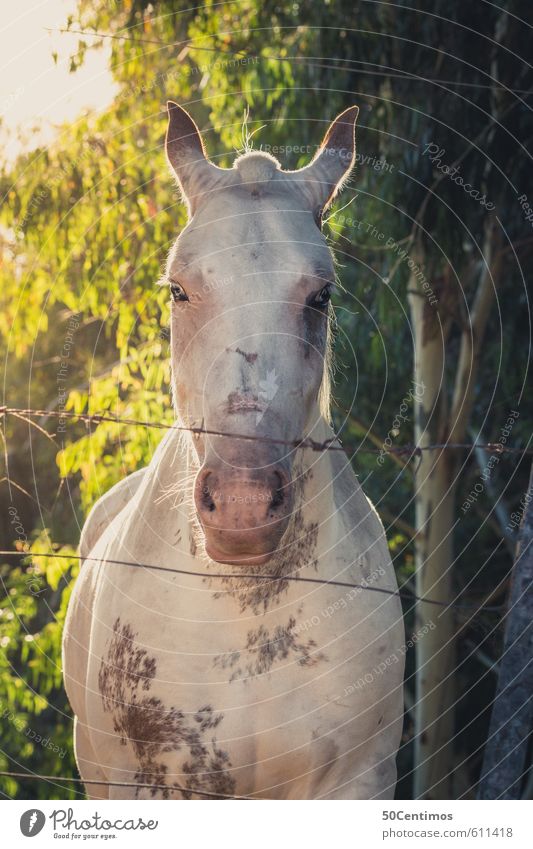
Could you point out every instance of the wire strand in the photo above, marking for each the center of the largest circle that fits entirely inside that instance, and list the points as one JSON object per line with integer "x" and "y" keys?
{"x": 74, "y": 780}
{"x": 265, "y": 578}
{"x": 304, "y": 442}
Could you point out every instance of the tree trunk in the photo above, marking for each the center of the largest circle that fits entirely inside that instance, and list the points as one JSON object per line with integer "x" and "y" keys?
{"x": 438, "y": 421}
{"x": 434, "y": 499}
{"x": 504, "y": 763}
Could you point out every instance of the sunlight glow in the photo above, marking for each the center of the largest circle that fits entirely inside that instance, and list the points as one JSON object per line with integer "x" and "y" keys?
{"x": 36, "y": 92}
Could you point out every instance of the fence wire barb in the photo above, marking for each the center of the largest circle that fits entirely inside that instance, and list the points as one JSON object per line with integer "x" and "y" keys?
{"x": 304, "y": 442}
{"x": 265, "y": 578}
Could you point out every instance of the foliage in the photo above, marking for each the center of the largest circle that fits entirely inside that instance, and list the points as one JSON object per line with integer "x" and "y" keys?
{"x": 36, "y": 717}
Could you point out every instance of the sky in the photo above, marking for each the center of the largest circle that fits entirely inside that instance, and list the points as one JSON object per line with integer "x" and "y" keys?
{"x": 35, "y": 91}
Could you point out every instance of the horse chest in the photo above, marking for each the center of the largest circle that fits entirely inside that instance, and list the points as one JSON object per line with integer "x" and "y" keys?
{"x": 208, "y": 696}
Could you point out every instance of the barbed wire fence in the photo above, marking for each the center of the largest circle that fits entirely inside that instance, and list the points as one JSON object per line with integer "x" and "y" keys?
{"x": 28, "y": 414}
{"x": 263, "y": 578}
{"x": 304, "y": 442}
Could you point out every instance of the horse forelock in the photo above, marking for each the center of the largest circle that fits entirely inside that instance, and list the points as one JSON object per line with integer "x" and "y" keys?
{"x": 256, "y": 167}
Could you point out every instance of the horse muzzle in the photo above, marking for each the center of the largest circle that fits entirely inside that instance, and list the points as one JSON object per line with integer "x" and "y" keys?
{"x": 243, "y": 511}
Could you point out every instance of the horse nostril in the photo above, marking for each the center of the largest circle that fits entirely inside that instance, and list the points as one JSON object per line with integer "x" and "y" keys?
{"x": 278, "y": 492}
{"x": 206, "y": 499}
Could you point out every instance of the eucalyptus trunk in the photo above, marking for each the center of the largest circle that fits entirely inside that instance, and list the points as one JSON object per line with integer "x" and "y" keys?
{"x": 434, "y": 510}
{"x": 442, "y": 416}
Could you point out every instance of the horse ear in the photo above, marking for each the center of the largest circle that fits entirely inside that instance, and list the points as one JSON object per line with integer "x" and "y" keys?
{"x": 186, "y": 155}
{"x": 334, "y": 160}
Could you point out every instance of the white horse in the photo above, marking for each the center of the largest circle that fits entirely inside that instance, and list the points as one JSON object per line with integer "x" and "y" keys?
{"x": 190, "y": 683}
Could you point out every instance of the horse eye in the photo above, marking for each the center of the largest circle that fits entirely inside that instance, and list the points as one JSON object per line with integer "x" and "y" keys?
{"x": 323, "y": 297}
{"x": 178, "y": 293}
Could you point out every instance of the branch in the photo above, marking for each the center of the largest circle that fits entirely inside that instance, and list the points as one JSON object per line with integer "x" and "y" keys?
{"x": 472, "y": 336}
{"x": 499, "y": 508}
{"x": 389, "y": 516}
{"x": 376, "y": 440}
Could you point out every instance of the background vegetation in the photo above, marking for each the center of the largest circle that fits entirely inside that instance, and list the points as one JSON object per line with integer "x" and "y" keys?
{"x": 85, "y": 225}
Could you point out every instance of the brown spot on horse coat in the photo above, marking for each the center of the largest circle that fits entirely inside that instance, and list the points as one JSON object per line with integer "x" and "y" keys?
{"x": 250, "y": 358}
{"x": 264, "y": 648}
{"x": 153, "y": 730}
